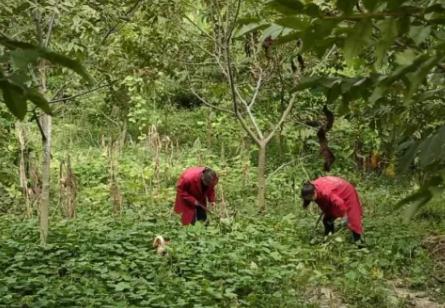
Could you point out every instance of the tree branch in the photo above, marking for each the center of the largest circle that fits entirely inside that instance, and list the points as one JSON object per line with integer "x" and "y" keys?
{"x": 199, "y": 28}
{"x": 283, "y": 118}
{"x": 37, "y": 18}
{"x": 210, "y": 105}
{"x": 257, "y": 90}
{"x": 249, "y": 113}
{"x": 230, "y": 77}
{"x": 50, "y": 30}
{"x": 63, "y": 99}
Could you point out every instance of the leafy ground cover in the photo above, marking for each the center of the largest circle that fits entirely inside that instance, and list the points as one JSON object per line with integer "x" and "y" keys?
{"x": 260, "y": 261}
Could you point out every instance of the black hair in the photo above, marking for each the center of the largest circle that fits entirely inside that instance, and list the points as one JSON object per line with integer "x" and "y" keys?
{"x": 208, "y": 176}
{"x": 307, "y": 190}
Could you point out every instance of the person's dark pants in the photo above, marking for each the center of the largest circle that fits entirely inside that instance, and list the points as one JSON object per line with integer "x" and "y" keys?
{"x": 328, "y": 223}
{"x": 200, "y": 215}
{"x": 329, "y": 227}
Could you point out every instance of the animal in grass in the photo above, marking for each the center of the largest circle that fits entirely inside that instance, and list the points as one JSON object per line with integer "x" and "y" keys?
{"x": 337, "y": 198}
{"x": 160, "y": 244}
{"x": 195, "y": 187}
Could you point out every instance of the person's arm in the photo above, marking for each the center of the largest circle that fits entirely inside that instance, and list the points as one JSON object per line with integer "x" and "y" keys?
{"x": 338, "y": 203}
{"x": 183, "y": 188}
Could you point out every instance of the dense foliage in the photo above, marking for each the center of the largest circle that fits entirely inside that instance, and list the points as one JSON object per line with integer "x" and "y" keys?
{"x": 140, "y": 90}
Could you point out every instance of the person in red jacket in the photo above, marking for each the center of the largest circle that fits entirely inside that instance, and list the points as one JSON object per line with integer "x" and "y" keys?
{"x": 195, "y": 186}
{"x": 336, "y": 198}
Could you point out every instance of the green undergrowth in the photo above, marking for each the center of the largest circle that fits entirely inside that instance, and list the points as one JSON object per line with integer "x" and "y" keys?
{"x": 272, "y": 260}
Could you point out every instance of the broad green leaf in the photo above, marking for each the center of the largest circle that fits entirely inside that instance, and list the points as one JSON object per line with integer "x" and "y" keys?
{"x": 346, "y": 6}
{"x": 370, "y": 4}
{"x": 419, "y": 33}
{"x": 56, "y": 58}
{"x": 287, "y": 7}
{"x": 249, "y": 28}
{"x": 122, "y": 286}
{"x": 431, "y": 150}
{"x": 395, "y": 4}
{"x": 20, "y": 58}
{"x": 291, "y": 36}
{"x": 316, "y": 36}
{"x": 39, "y": 100}
{"x": 53, "y": 57}
{"x": 417, "y": 77}
{"x": 389, "y": 31}
{"x": 377, "y": 94}
{"x": 410, "y": 149}
{"x": 357, "y": 40}
{"x": 14, "y": 99}
{"x": 313, "y": 10}
{"x": 420, "y": 200}
{"x": 273, "y": 31}
{"x": 295, "y": 22}
{"x": 405, "y": 57}
{"x": 420, "y": 195}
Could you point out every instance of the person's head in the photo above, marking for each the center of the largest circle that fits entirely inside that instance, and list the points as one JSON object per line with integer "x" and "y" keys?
{"x": 308, "y": 193}
{"x": 209, "y": 177}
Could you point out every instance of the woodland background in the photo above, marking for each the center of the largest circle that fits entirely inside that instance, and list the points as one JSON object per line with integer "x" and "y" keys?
{"x": 105, "y": 103}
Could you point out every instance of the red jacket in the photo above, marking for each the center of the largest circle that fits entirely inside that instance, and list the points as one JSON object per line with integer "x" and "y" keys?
{"x": 189, "y": 191}
{"x": 338, "y": 198}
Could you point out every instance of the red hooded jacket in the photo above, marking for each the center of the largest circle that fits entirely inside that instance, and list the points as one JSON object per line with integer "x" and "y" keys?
{"x": 189, "y": 190}
{"x": 338, "y": 198}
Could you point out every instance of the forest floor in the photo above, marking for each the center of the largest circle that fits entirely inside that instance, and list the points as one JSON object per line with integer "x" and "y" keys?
{"x": 274, "y": 260}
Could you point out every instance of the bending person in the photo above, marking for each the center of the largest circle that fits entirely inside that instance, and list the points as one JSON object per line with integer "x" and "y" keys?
{"x": 336, "y": 198}
{"x": 195, "y": 186}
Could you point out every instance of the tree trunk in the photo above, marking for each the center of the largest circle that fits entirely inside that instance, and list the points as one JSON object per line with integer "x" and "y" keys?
{"x": 261, "y": 199}
{"x": 24, "y": 160}
{"x": 46, "y": 164}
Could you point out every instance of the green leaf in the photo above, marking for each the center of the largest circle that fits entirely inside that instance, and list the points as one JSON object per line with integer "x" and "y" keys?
{"x": 12, "y": 44}
{"x": 20, "y": 58}
{"x": 394, "y": 4}
{"x": 249, "y": 28}
{"x": 417, "y": 77}
{"x": 370, "y": 5}
{"x": 295, "y": 22}
{"x": 377, "y": 94}
{"x": 287, "y": 7}
{"x": 53, "y": 57}
{"x": 313, "y": 10}
{"x": 39, "y": 100}
{"x": 346, "y": 6}
{"x": 419, "y": 33}
{"x": 432, "y": 149}
{"x": 273, "y": 31}
{"x": 418, "y": 196}
{"x": 122, "y": 286}
{"x": 357, "y": 40}
{"x": 56, "y": 58}
{"x": 405, "y": 57}
{"x": 317, "y": 35}
{"x": 410, "y": 149}
{"x": 420, "y": 201}
{"x": 14, "y": 99}
{"x": 389, "y": 30}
